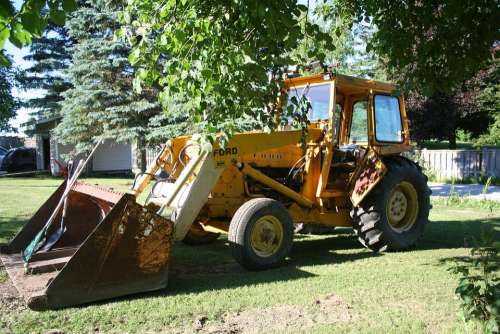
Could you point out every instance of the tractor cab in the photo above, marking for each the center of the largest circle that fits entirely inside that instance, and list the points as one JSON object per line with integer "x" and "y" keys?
{"x": 354, "y": 111}
{"x": 361, "y": 121}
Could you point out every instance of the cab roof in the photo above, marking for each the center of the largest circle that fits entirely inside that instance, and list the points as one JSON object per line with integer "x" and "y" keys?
{"x": 345, "y": 84}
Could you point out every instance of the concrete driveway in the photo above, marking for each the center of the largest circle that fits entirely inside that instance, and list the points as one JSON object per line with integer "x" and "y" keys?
{"x": 474, "y": 191}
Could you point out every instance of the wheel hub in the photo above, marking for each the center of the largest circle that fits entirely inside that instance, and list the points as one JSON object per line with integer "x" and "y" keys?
{"x": 266, "y": 236}
{"x": 402, "y": 207}
{"x": 397, "y": 206}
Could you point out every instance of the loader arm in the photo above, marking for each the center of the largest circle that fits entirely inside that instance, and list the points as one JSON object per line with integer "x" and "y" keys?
{"x": 187, "y": 195}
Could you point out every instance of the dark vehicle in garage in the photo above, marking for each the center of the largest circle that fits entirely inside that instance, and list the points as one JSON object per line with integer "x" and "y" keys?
{"x": 19, "y": 159}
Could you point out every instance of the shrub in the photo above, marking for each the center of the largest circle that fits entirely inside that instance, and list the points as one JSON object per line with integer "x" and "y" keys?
{"x": 479, "y": 287}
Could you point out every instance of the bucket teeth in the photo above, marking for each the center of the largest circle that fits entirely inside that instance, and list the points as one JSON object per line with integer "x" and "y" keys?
{"x": 96, "y": 191}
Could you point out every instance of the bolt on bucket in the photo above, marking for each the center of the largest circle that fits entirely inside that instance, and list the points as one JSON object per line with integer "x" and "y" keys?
{"x": 111, "y": 246}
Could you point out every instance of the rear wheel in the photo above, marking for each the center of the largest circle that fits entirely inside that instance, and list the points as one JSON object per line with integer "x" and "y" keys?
{"x": 394, "y": 215}
{"x": 261, "y": 234}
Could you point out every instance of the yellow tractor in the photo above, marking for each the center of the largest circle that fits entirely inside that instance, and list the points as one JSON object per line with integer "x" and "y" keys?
{"x": 349, "y": 172}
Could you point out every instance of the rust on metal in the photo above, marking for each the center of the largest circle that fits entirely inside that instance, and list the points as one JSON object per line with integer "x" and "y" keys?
{"x": 100, "y": 192}
{"x": 112, "y": 247}
{"x": 371, "y": 171}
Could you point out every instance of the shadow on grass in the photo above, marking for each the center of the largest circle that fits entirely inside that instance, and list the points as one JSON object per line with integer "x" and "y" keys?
{"x": 9, "y": 228}
{"x": 198, "y": 269}
{"x": 36, "y": 186}
{"x": 211, "y": 267}
{"x": 457, "y": 234}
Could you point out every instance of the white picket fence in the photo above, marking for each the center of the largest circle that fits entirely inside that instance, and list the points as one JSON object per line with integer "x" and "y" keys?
{"x": 151, "y": 154}
{"x": 448, "y": 164}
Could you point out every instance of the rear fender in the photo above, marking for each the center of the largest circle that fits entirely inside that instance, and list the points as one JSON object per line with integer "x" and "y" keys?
{"x": 366, "y": 176}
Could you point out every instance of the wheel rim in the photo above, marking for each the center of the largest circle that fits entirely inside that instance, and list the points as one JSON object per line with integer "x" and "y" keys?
{"x": 402, "y": 207}
{"x": 266, "y": 236}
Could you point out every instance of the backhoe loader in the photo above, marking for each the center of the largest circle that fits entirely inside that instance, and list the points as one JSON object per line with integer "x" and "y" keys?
{"x": 349, "y": 172}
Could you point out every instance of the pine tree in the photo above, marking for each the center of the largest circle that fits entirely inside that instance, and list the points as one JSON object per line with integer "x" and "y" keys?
{"x": 50, "y": 58}
{"x": 364, "y": 62}
{"x": 7, "y": 102}
{"x": 102, "y": 102}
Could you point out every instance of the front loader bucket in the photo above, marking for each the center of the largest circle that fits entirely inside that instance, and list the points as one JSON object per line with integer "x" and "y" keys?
{"x": 112, "y": 247}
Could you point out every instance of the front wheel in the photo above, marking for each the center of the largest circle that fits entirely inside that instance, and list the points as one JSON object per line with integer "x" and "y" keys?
{"x": 394, "y": 215}
{"x": 261, "y": 234}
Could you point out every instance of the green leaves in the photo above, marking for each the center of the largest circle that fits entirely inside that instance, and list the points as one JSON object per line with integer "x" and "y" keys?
{"x": 33, "y": 23}
{"x": 4, "y": 60}
{"x": 6, "y": 8}
{"x": 221, "y": 63}
{"x": 30, "y": 20}
{"x": 4, "y": 35}
{"x": 20, "y": 37}
{"x": 57, "y": 16}
{"x": 133, "y": 57}
{"x": 479, "y": 284}
{"x": 69, "y": 5}
{"x": 431, "y": 46}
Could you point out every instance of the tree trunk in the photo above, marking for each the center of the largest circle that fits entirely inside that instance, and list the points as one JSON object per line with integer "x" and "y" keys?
{"x": 142, "y": 156}
{"x": 139, "y": 156}
{"x": 452, "y": 141}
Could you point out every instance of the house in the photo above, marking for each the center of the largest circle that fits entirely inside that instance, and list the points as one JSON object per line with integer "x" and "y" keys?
{"x": 42, "y": 131}
{"x": 110, "y": 156}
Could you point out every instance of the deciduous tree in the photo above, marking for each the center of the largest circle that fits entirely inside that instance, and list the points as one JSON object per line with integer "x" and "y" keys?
{"x": 19, "y": 26}
{"x": 431, "y": 46}
{"x": 219, "y": 61}
{"x": 472, "y": 108}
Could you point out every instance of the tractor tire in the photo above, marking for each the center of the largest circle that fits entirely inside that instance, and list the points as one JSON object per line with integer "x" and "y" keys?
{"x": 393, "y": 216}
{"x": 198, "y": 236}
{"x": 261, "y": 234}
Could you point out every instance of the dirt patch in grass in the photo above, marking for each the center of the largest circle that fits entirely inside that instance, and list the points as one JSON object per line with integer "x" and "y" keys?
{"x": 9, "y": 298}
{"x": 3, "y": 274}
{"x": 282, "y": 318}
{"x": 10, "y": 303}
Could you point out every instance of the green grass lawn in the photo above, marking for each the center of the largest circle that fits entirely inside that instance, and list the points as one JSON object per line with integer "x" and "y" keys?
{"x": 329, "y": 284}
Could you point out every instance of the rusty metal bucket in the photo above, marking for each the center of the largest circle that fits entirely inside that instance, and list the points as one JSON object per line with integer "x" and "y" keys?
{"x": 112, "y": 247}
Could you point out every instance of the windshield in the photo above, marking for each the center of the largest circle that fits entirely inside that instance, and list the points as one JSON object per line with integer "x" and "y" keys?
{"x": 319, "y": 98}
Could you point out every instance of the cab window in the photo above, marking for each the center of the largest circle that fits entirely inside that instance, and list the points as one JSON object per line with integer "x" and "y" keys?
{"x": 319, "y": 98}
{"x": 359, "y": 122}
{"x": 387, "y": 119}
